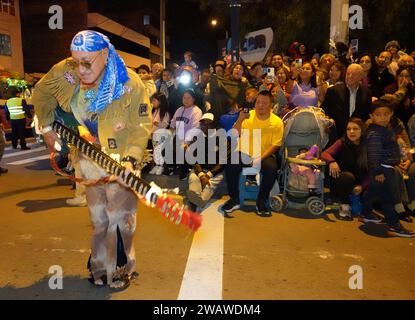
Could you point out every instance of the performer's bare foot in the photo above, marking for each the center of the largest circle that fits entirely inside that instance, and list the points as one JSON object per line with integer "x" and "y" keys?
{"x": 98, "y": 282}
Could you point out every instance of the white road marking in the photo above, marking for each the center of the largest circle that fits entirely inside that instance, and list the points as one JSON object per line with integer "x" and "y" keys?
{"x": 353, "y": 256}
{"x": 25, "y": 161}
{"x": 24, "y": 152}
{"x": 55, "y": 238}
{"x": 324, "y": 254}
{"x": 202, "y": 279}
{"x": 24, "y": 237}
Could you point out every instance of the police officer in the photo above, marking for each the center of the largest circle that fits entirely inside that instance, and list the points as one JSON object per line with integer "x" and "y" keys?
{"x": 17, "y": 111}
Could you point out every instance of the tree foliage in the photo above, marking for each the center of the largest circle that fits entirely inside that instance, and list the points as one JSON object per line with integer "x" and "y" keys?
{"x": 309, "y": 21}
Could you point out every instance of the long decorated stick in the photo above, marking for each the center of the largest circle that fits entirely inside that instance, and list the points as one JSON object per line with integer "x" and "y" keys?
{"x": 149, "y": 193}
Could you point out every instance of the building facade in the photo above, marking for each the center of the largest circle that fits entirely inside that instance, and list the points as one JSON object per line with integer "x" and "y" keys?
{"x": 11, "y": 54}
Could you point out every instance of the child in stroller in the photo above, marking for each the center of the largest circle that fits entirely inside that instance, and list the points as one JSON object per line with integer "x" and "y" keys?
{"x": 311, "y": 172}
{"x": 302, "y": 176}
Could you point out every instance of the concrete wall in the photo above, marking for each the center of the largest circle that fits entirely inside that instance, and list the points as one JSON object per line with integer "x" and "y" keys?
{"x": 131, "y": 59}
{"x": 42, "y": 46}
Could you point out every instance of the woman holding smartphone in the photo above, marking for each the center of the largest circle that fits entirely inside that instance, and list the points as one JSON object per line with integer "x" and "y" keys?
{"x": 305, "y": 91}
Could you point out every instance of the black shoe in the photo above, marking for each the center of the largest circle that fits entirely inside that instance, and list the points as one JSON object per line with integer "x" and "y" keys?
{"x": 168, "y": 171}
{"x": 405, "y": 216}
{"x": 25, "y": 148}
{"x": 369, "y": 218}
{"x": 3, "y": 170}
{"x": 192, "y": 207}
{"x": 262, "y": 209}
{"x": 230, "y": 206}
{"x": 345, "y": 217}
{"x": 410, "y": 212}
{"x": 400, "y": 231}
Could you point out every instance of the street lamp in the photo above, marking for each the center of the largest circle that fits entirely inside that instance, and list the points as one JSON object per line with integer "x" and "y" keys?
{"x": 214, "y": 22}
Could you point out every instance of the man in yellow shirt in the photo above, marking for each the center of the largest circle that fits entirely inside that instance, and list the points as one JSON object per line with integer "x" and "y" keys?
{"x": 264, "y": 131}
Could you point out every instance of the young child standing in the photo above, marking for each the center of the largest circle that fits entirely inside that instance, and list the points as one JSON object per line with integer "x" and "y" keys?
{"x": 188, "y": 60}
{"x": 161, "y": 119}
{"x": 383, "y": 155}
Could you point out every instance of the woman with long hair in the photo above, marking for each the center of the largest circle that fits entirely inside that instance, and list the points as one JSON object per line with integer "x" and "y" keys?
{"x": 283, "y": 77}
{"x": 405, "y": 77}
{"x": 347, "y": 163}
{"x": 368, "y": 64}
{"x": 160, "y": 120}
{"x": 305, "y": 89}
{"x": 337, "y": 74}
{"x": 160, "y": 114}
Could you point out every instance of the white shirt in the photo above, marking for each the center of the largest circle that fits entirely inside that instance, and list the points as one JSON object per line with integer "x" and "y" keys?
{"x": 352, "y": 101}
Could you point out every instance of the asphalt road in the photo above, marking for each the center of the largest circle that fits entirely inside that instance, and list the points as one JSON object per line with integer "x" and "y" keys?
{"x": 291, "y": 255}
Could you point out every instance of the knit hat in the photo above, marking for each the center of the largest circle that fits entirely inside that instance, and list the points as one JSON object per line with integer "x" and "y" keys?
{"x": 392, "y": 43}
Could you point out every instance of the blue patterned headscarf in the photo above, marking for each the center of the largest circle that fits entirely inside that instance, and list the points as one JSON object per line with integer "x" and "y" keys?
{"x": 112, "y": 85}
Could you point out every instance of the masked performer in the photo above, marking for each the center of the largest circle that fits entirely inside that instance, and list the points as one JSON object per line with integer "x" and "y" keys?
{"x": 111, "y": 104}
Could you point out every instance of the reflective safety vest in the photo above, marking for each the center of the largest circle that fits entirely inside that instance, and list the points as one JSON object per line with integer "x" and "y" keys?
{"x": 15, "y": 108}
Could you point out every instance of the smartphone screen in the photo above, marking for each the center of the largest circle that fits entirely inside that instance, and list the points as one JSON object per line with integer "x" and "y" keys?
{"x": 269, "y": 71}
{"x": 299, "y": 63}
{"x": 354, "y": 44}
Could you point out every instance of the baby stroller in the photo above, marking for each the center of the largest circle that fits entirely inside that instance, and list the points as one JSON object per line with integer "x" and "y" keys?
{"x": 303, "y": 128}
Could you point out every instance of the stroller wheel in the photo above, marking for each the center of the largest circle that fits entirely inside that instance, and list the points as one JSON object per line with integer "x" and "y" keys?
{"x": 277, "y": 203}
{"x": 315, "y": 206}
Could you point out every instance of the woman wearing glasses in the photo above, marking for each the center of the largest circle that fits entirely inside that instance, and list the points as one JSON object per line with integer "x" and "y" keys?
{"x": 112, "y": 107}
{"x": 381, "y": 77}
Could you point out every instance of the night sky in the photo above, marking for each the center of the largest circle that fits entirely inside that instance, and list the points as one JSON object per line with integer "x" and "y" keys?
{"x": 189, "y": 29}
{"x": 187, "y": 25}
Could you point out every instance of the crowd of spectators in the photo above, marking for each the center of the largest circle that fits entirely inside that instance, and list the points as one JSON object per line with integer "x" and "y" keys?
{"x": 350, "y": 90}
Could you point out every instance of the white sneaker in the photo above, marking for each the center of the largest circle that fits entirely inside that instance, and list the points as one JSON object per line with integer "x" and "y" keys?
{"x": 77, "y": 202}
{"x": 345, "y": 211}
{"x": 159, "y": 170}
{"x": 154, "y": 170}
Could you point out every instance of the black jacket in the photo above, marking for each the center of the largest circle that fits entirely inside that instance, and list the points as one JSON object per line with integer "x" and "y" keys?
{"x": 379, "y": 81}
{"x": 382, "y": 148}
{"x": 336, "y": 105}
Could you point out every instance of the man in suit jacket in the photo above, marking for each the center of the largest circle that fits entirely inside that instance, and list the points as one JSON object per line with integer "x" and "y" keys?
{"x": 348, "y": 99}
